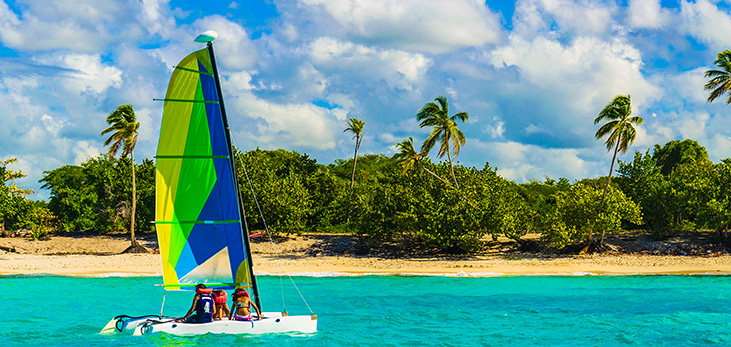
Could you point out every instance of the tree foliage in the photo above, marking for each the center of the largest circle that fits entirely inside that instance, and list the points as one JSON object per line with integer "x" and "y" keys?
{"x": 16, "y": 210}
{"x": 574, "y": 215}
{"x": 96, "y": 195}
{"x": 720, "y": 79}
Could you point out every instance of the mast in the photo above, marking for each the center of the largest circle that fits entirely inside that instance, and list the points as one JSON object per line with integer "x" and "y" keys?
{"x": 244, "y": 231}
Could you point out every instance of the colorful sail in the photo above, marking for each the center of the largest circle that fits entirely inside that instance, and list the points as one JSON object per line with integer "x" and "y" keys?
{"x": 197, "y": 212}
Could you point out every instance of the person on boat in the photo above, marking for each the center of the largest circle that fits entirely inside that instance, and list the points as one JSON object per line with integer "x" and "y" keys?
{"x": 241, "y": 309}
{"x": 221, "y": 309}
{"x": 202, "y": 306}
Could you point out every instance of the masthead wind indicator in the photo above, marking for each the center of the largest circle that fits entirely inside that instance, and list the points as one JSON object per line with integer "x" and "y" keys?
{"x": 207, "y": 36}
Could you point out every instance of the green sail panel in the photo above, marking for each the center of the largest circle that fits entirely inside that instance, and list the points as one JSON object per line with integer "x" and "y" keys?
{"x": 197, "y": 212}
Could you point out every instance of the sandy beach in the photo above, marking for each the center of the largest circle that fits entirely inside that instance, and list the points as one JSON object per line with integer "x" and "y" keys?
{"x": 99, "y": 256}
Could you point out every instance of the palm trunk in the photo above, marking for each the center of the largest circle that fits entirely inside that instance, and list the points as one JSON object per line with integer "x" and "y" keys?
{"x": 451, "y": 167}
{"x": 134, "y": 202}
{"x": 606, "y": 186}
{"x": 435, "y": 175}
{"x": 355, "y": 160}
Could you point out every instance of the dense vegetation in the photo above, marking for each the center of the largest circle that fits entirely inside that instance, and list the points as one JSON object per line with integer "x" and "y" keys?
{"x": 675, "y": 187}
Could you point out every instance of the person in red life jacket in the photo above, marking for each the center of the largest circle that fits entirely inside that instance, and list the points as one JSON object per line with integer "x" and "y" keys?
{"x": 202, "y": 305}
{"x": 241, "y": 309}
{"x": 220, "y": 297}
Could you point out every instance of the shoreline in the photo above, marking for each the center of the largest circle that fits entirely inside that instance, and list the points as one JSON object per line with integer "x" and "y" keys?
{"x": 140, "y": 265}
{"x": 304, "y": 256}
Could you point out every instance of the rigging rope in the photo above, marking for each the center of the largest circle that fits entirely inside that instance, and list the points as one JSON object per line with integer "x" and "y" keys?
{"x": 271, "y": 241}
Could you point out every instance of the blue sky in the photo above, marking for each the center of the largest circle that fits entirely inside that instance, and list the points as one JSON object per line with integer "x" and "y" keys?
{"x": 533, "y": 74}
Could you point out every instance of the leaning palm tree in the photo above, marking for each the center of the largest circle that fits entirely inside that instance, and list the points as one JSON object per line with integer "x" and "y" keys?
{"x": 123, "y": 127}
{"x": 408, "y": 158}
{"x": 444, "y": 130}
{"x": 356, "y": 127}
{"x": 720, "y": 82}
{"x": 622, "y": 133}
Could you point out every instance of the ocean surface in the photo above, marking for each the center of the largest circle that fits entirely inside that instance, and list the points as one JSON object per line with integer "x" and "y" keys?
{"x": 394, "y": 311}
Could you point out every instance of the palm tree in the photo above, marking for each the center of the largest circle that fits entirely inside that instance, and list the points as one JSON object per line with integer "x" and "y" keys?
{"x": 408, "y": 157}
{"x": 622, "y": 133}
{"x": 444, "y": 130}
{"x": 123, "y": 127}
{"x": 356, "y": 127}
{"x": 720, "y": 82}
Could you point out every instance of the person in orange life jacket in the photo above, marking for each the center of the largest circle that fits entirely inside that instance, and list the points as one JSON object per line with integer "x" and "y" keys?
{"x": 221, "y": 309}
{"x": 202, "y": 305}
{"x": 241, "y": 309}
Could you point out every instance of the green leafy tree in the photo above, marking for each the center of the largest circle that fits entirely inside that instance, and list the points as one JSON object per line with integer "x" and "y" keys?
{"x": 619, "y": 128}
{"x": 673, "y": 186}
{"x": 355, "y": 126}
{"x": 277, "y": 182}
{"x": 372, "y": 168}
{"x": 679, "y": 153}
{"x": 11, "y": 194}
{"x": 444, "y": 130}
{"x": 643, "y": 182}
{"x": 716, "y": 214}
{"x": 720, "y": 80}
{"x": 123, "y": 127}
{"x": 16, "y": 210}
{"x": 574, "y": 215}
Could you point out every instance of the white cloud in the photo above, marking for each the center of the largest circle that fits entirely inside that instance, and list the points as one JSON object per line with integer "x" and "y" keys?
{"x": 82, "y": 26}
{"x": 425, "y": 26}
{"x": 693, "y": 126}
{"x": 647, "y": 14}
{"x": 689, "y": 85}
{"x": 497, "y": 130}
{"x": 583, "y": 16}
{"x": 570, "y": 83}
{"x": 285, "y": 125}
{"x": 707, "y": 22}
{"x": 522, "y": 162}
{"x": 719, "y": 147}
{"x": 399, "y": 69}
{"x": 156, "y": 17}
{"x": 86, "y": 72}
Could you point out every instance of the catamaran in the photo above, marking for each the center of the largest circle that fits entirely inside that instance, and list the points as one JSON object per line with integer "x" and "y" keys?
{"x": 201, "y": 227}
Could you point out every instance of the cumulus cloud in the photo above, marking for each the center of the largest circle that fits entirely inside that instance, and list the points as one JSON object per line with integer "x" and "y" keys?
{"x": 86, "y": 72}
{"x": 689, "y": 85}
{"x": 522, "y": 162}
{"x": 281, "y": 125}
{"x": 647, "y": 14}
{"x": 424, "y": 26}
{"x": 582, "y": 16}
{"x": 707, "y": 22}
{"x": 399, "y": 69}
{"x": 561, "y": 87}
{"x": 84, "y": 26}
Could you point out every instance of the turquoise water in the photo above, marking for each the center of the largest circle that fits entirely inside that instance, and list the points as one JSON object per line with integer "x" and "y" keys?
{"x": 396, "y": 311}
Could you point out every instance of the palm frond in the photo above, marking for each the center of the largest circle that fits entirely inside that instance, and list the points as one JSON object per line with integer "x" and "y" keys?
{"x": 123, "y": 130}
{"x": 431, "y": 140}
{"x": 720, "y": 82}
{"x": 442, "y": 100}
{"x": 463, "y": 116}
{"x": 621, "y": 133}
{"x": 458, "y": 140}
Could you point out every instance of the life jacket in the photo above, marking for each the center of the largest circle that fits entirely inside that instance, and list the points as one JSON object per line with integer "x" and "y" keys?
{"x": 203, "y": 291}
{"x": 204, "y": 308}
{"x": 220, "y": 299}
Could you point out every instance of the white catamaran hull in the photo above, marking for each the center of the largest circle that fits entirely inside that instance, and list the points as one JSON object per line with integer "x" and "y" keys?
{"x": 273, "y": 322}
